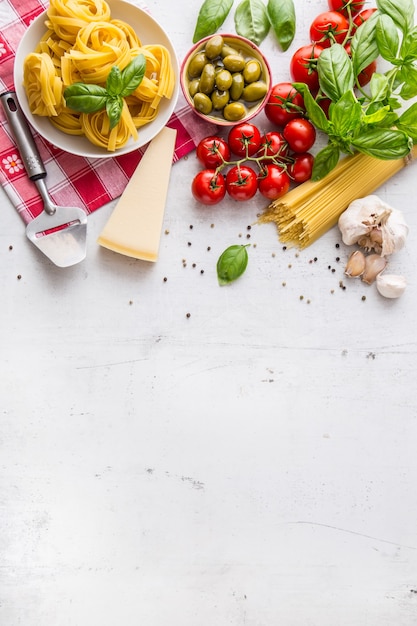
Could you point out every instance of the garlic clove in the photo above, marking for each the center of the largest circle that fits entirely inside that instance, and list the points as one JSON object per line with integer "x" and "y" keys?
{"x": 355, "y": 265}
{"x": 391, "y": 285}
{"x": 374, "y": 265}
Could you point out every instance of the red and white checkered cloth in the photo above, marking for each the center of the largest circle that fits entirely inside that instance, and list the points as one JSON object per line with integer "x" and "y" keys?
{"x": 72, "y": 180}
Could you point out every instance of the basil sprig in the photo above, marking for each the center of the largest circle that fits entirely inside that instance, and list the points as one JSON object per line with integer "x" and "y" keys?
{"x": 253, "y": 19}
{"x": 232, "y": 263}
{"x": 375, "y": 120}
{"x": 89, "y": 98}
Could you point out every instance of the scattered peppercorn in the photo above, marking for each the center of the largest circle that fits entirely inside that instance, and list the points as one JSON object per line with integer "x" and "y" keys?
{"x": 189, "y": 243}
{"x": 208, "y": 248}
{"x": 338, "y": 259}
{"x": 201, "y": 271}
{"x": 363, "y": 298}
{"x": 191, "y": 227}
{"x": 337, "y": 245}
{"x": 165, "y": 279}
{"x": 10, "y": 247}
{"x": 188, "y": 315}
{"x": 19, "y": 276}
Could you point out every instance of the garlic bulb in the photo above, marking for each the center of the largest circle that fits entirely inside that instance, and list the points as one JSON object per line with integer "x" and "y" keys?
{"x": 373, "y": 225}
{"x": 390, "y": 285}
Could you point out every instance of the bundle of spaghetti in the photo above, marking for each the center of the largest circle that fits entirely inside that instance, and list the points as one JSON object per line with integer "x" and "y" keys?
{"x": 68, "y": 122}
{"x": 43, "y": 87}
{"x": 66, "y": 17}
{"x": 97, "y": 48}
{"x": 132, "y": 38}
{"x": 96, "y": 127}
{"x": 141, "y": 111}
{"x": 308, "y": 211}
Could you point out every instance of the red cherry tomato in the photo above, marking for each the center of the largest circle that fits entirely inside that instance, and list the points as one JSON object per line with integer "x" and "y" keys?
{"x": 300, "y": 170}
{"x": 284, "y": 103}
{"x": 342, "y": 6}
{"x": 244, "y": 139}
{"x": 273, "y": 144}
{"x": 273, "y": 181}
{"x": 361, "y": 17}
{"x": 303, "y": 65}
{"x": 241, "y": 183}
{"x": 208, "y": 187}
{"x": 329, "y": 27}
{"x": 365, "y": 76}
{"x": 300, "y": 135}
{"x": 213, "y": 151}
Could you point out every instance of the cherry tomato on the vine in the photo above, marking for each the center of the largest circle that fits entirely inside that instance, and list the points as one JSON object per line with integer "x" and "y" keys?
{"x": 342, "y": 6}
{"x": 208, "y": 187}
{"x": 300, "y": 135}
{"x": 212, "y": 151}
{"x": 273, "y": 181}
{"x": 244, "y": 139}
{"x": 365, "y": 76}
{"x": 284, "y": 103}
{"x": 363, "y": 16}
{"x": 329, "y": 27}
{"x": 241, "y": 183}
{"x": 303, "y": 65}
{"x": 273, "y": 144}
{"x": 300, "y": 170}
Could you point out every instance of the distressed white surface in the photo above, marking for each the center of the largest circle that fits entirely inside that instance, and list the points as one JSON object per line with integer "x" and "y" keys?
{"x": 254, "y": 464}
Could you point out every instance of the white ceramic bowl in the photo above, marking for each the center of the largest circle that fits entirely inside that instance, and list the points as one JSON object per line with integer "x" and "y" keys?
{"x": 149, "y": 32}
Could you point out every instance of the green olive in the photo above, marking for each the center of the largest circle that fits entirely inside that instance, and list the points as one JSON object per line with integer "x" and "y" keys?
{"x": 252, "y": 71}
{"x": 207, "y": 79}
{"x": 219, "y": 99}
{"x": 214, "y": 46}
{"x": 202, "y": 103}
{"x": 234, "y": 62}
{"x": 223, "y": 80}
{"x": 236, "y": 88}
{"x": 254, "y": 91}
{"x": 226, "y": 50}
{"x": 196, "y": 64}
{"x": 234, "y": 111}
{"x": 193, "y": 86}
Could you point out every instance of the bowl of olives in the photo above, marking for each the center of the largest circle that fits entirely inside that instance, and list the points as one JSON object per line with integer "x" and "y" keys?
{"x": 226, "y": 79}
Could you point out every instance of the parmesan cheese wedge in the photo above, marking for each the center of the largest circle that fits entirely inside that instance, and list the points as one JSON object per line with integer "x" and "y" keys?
{"x": 134, "y": 227}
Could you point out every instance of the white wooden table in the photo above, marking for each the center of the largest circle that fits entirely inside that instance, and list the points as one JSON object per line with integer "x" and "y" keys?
{"x": 175, "y": 452}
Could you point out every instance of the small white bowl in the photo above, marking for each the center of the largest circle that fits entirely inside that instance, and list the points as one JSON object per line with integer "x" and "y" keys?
{"x": 250, "y": 51}
{"x": 149, "y": 32}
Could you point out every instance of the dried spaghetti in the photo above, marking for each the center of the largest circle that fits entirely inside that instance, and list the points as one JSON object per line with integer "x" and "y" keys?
{"x": 311, "y": 209}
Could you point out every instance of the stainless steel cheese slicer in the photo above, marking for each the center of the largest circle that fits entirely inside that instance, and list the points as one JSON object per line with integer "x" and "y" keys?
{"x": 59, "y": 232}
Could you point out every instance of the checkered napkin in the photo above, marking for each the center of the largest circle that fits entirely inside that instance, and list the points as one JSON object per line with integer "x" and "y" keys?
{"x": 72, "y": 180}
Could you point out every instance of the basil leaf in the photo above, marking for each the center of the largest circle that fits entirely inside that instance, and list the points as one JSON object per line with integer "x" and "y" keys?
{"x": 383, "y": 143}
{"x": 379, "y": 87}
{"x": 211, "y": 16}
{"x": 335, "y": 72}
{"x": 409, "y": 47}
{"x": 409, "y": 77}
{"x": 345, "y": 114}
{"x": 363, "y": 45}
{"x": 114, "y": 81}
{"x": 402, "y": 12}
{"x": 325, "y": 161}
{"x": 408, "y": 122}
{"x": 314, "y": 111}
{"x": 377, "y": 116}
{"x": 281, "y": 14}
{"x": 114, "y": 107}
{"x": 85, "y": 98}
{"x": 231, "y": 264}
{"x": 251, "y": 20}
{"x": 132, "y": 75}
{"x": 387, "y": 38}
